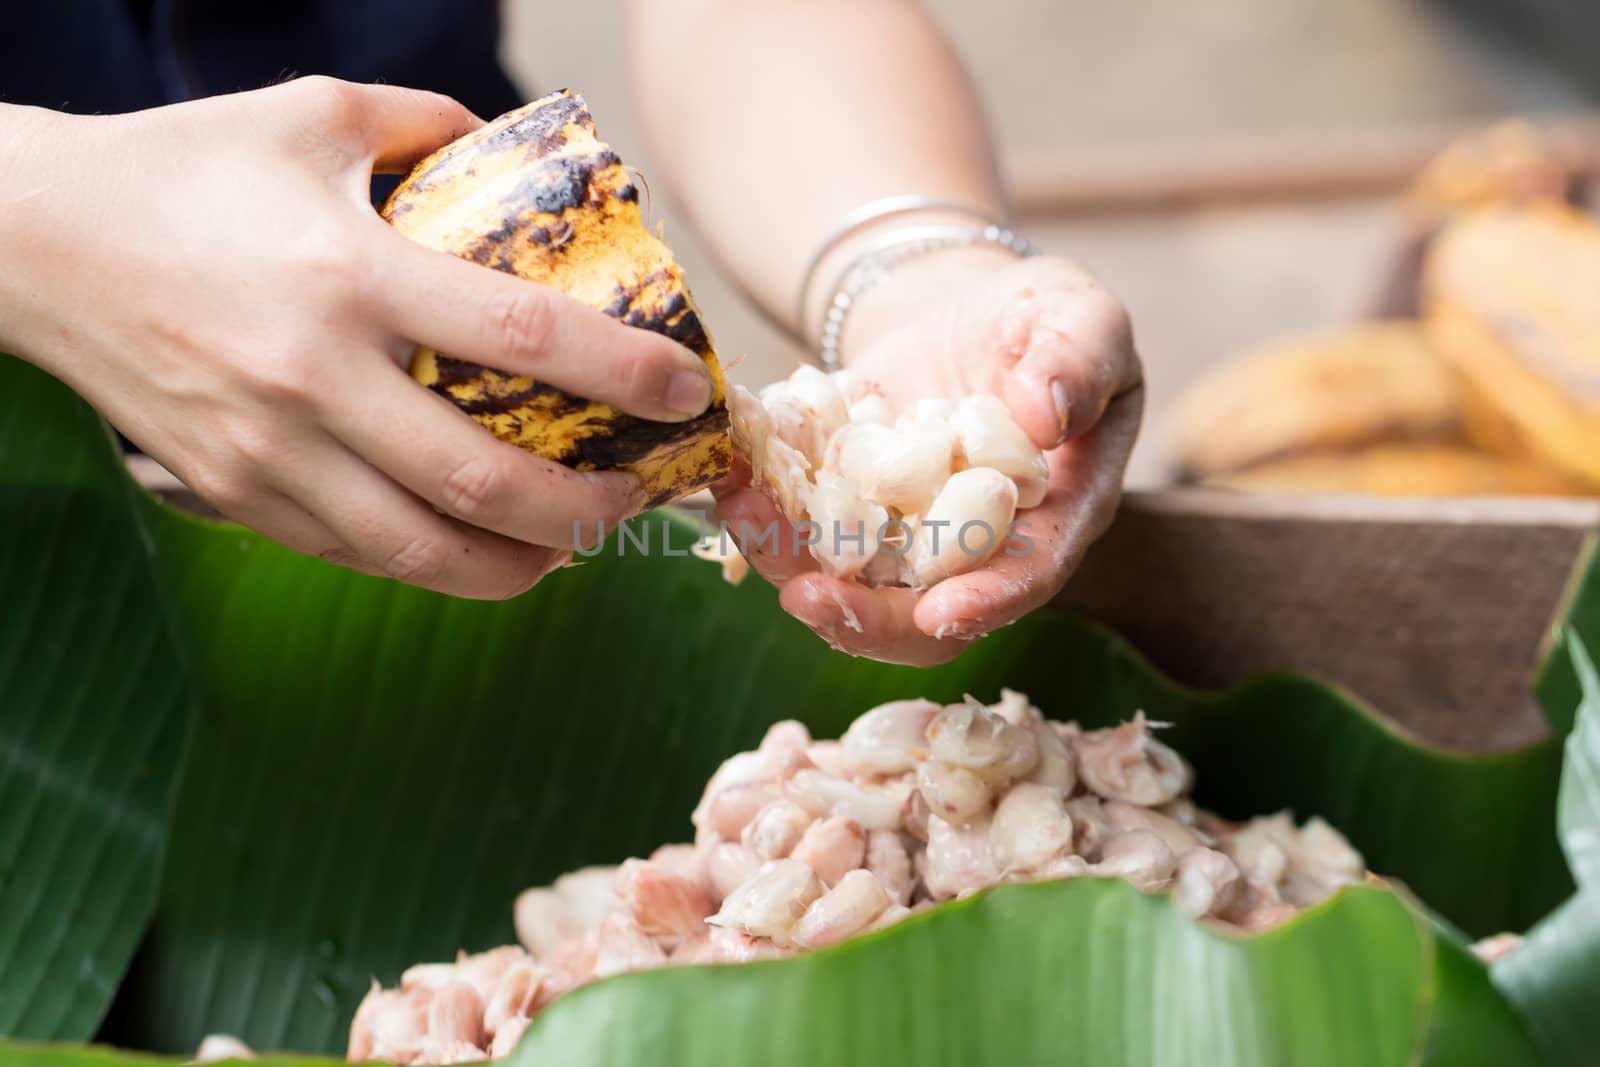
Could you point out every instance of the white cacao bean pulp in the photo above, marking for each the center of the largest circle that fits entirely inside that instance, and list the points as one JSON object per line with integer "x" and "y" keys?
{"x": 804, "y": 843}
{"x": 905, "y": 498}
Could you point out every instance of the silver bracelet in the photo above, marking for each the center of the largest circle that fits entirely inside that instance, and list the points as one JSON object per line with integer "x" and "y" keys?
{"x": 873, "y": 211}
{"x": 878, "y": 262}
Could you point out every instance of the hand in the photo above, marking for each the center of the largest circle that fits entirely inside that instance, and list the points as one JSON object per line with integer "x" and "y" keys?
{"x": 211, "y": 276}
{"x": 1049, "y": 340}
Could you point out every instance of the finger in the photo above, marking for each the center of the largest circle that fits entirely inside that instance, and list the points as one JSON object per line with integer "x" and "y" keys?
{"x": 765, "y": 537}
{"x": 423, "y": 442}
{"x": 400, "y": 126}
{"x": 737, "y": 478}
{"x": 280, "y": 519}
{"x": 875, "y": 623}
{"x": 1074, "y": 354}
{"x": 1085, "y": 486}
{"x": 1062, "y": 346}
{"x": 396, "y": 534}
{"x": 1007, "y": 587}
{"x": 500, "y": 321}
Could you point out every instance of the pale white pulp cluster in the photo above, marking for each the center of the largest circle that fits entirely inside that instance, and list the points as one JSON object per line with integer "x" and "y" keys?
{"x": 803, "y": 843}
{"x": 904, "y": 498}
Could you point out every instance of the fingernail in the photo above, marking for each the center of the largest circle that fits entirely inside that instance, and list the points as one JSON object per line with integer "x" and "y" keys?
{"x": 1058, "y": 395}
{"x": 689, "y": 392}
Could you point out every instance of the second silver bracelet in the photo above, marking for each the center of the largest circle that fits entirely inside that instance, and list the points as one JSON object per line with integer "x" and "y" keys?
{"x": 876, "y": 264}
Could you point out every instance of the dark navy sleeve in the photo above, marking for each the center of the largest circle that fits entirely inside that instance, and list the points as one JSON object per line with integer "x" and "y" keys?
{"x": 103, "y": 56}
{"x": 83, "y": 56}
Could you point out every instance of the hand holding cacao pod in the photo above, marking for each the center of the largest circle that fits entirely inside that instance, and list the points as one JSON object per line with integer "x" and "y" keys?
{"x": 220, "y": 288}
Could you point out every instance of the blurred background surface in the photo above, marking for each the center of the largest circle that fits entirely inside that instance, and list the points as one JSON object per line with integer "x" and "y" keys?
{"x": 1297, "y": 118}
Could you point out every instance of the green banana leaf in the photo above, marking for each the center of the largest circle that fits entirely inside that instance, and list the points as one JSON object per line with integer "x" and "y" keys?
{"x": 91, "y": 715}
{"x": 1067, "y": 972}
{"x": 1556, "y": 682}
{"x": 372, "y": 772}
{"x": 1077, "y": 972}
{"x": 1578, "y": 813}
{"x": 1554, "y": 976}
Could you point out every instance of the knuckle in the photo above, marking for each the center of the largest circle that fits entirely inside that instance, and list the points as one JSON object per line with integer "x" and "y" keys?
{"x": 1078, "y": 301}
{"x": 474, "y": 488}
{"x": 419, "y": 561}
{"x": 649, "y": 363}
{"x": 1097, "y": 303}
{"x": 255, "y": 442}
{"x": 1105, "y": 309}
{"x": 288, "y": 376}
{"x": 328, "y": 123}
{"x": 1122, "y": 355}
{"x": 524, "y": 325}
{"x": 326, "y": 262}
{"x": 329, "y": 102}
{"x": 224, "y": 488}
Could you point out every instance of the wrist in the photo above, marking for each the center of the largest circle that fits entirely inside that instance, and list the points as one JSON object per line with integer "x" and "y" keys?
{"x": 31, "y": 135}
{"x": 29, "y": 176}
{"x": 916, "y": 287}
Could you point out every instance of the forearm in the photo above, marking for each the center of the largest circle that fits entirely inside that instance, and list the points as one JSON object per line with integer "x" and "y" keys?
{"x": 29, "y": 172}
{"x": 772, "y": 120}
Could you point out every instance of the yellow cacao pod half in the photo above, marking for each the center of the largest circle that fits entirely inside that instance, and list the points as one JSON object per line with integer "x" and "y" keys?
{"x": 535, "y": 193}
{"x": 1511, "y": 162}
{"x": 1511, "y": 297}
{"x": 1329, "y": 393}
{"x": 1401, "y": 469}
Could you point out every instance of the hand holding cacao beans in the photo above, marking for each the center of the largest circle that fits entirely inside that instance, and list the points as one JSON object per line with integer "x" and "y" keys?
{"x": 968, "y": 353}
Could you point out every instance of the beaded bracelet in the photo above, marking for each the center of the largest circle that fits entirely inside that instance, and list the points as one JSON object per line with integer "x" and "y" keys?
{"x": 875, "y": 264}
{"x": 873, "y": 211}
